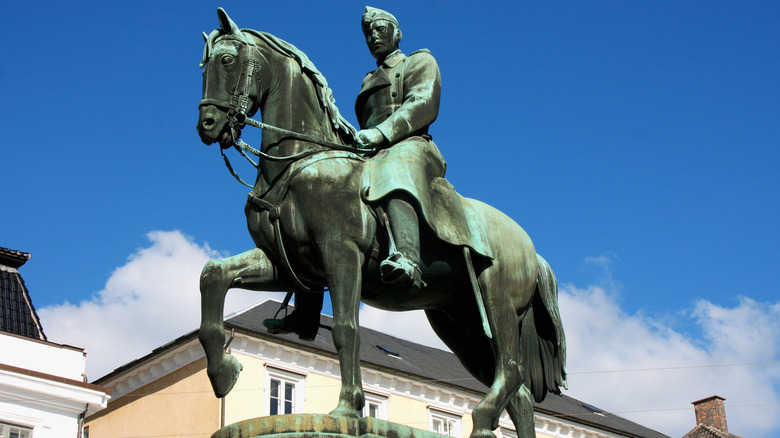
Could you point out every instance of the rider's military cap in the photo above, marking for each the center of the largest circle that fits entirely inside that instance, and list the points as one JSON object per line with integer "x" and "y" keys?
{"x": 374, "y": 14}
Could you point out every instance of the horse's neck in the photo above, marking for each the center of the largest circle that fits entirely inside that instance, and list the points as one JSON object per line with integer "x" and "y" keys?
{"x": 290, "y": 102}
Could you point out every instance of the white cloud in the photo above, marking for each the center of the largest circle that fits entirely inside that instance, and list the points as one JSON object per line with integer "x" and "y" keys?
{"x": 676, "y": 369}
{"x": 151, "y": 300}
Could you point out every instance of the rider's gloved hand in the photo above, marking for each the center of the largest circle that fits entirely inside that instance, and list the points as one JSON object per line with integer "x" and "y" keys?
{"x": 370, "y": 138}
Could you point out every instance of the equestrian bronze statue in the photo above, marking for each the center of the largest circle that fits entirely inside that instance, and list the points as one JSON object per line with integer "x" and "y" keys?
{"x": 322, "y": 216}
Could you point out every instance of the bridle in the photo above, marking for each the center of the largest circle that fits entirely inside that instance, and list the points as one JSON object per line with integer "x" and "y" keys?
{"x": 237, "y": 115}
{"x": 238, "y": 106}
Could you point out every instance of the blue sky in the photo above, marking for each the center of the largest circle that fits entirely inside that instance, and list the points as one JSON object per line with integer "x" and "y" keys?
{"x": 636, "y": 142}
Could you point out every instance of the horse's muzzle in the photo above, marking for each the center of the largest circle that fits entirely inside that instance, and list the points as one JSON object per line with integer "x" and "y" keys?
{"x": 213, "y": 127}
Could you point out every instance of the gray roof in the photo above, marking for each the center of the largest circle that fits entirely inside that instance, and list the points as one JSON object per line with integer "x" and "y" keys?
{"x": 705, "y": 431}
{"x": 17, "y": 313}
{"x": 430, "y": 364}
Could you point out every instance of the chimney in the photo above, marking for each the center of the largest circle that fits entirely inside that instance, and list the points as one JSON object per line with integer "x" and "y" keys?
{"x": 711, "y": 412}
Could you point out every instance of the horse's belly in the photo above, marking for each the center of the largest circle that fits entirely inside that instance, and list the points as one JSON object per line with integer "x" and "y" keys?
{"x": 399, "y": 299}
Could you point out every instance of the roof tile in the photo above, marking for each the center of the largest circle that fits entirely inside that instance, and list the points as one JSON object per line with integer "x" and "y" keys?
{"x": 17, "y": 313}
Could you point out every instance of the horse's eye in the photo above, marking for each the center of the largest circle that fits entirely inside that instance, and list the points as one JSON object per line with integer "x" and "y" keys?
{"x": 228, "y": 59}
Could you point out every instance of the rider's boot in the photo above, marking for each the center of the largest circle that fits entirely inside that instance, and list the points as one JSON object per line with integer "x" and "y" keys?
{"x": 303, "y": 321}
{"x": 403, "y": 265}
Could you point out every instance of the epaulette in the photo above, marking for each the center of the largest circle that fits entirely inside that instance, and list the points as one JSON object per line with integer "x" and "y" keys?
{"x": 421, "y": 51}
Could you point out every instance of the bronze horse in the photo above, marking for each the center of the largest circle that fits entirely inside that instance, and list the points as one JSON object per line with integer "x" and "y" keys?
{"x": 313, "y": 231}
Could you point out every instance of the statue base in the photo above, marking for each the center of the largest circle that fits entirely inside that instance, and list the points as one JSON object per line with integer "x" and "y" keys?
{"x": 319, "y": 426}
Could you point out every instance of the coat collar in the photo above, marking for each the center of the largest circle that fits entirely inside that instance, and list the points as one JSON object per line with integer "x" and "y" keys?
{"x": 392, "y": 59}
{"x": 375, "y": 79}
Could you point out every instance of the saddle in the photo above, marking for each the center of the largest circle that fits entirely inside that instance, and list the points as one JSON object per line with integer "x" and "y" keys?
{"x": 448, "y": 214}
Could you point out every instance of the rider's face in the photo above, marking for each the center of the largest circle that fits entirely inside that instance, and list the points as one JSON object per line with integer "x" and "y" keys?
{"x": 380, "y": 38}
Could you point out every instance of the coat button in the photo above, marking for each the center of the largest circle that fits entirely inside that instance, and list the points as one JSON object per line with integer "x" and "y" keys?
{"x": 398, "y": 75}
{"x": 394, "y": 94}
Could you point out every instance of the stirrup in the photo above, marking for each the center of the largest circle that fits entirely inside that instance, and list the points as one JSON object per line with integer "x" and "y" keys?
{"x": 399, "y": 269}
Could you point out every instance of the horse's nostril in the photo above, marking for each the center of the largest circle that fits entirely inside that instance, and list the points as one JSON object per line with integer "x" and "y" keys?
{"x": 208, "y": 122}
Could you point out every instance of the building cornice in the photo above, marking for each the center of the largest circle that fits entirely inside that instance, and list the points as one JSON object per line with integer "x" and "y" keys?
{"x": 161, "y": 362}
{"x": 45, "y": 376}
{"x": 50, "y": 391}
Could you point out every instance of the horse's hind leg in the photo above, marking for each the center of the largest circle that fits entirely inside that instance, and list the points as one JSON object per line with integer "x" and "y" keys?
{"x": 462, "y": 331}
{"x": 509, "y": 374}
{"x": 250, "y": 270}
{"x": 521, "y": 411}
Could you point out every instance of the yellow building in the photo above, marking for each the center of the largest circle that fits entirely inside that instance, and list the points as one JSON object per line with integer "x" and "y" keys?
{"x": 167, "y": 393}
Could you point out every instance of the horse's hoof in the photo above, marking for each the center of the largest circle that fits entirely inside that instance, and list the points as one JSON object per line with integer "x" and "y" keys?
{"x": 344, "y": 412}
{"x": 225, "y": 376}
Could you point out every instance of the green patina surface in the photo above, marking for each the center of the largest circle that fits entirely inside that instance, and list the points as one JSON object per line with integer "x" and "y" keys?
{"x": 386, "y": 229}
{"x": 319, "y": 426}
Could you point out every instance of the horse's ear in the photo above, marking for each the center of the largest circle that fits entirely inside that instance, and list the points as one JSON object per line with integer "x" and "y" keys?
{"x": 205, "y": 58}
{"x": 227, "y": 25}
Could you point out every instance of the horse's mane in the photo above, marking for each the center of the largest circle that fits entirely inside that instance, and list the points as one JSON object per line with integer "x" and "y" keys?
{"x": 339, "y": 124}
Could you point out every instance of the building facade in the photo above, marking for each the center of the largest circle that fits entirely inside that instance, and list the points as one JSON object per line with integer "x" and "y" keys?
{"x": 43, "y": 390}
{"x": 167, "y": 393}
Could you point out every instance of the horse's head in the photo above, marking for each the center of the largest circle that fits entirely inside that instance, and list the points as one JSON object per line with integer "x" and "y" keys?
{"x": 230, "y": 66}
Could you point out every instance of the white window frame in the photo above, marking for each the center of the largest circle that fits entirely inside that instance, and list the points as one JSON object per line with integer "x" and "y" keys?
{"x": 452, "y": 422}
{"x": 7, "y": 428}
{"x": 284, "y": 377}
{"x": 381, "y": 404}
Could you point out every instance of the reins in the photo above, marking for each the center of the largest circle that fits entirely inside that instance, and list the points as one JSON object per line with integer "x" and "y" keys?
{"x": 353, "y": 147}
{"x": 238, "y": 109}
{"x": 237, "y": 117}
{"x": 243, "y": 147}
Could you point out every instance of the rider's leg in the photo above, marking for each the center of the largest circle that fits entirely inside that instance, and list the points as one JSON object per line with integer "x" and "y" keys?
{"x": 403, "y": 266}
{"x": 304, "y": 319}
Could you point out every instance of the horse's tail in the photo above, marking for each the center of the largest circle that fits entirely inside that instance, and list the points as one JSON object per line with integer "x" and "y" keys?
{"x": 541, "y": 337}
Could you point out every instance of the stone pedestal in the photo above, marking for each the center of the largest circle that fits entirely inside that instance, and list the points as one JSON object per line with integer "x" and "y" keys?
{"x": 319, "y": 426}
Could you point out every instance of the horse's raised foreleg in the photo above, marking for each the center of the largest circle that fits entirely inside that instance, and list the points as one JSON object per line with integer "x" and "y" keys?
{"x": 343, "y": 262}
{"x": 250, "y": 270}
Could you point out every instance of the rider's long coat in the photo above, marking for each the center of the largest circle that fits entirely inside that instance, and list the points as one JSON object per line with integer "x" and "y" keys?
{"x": 401, "y": 99}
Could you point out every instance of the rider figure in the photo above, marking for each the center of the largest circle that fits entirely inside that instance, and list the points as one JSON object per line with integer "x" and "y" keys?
{"x": 396, "y": 104}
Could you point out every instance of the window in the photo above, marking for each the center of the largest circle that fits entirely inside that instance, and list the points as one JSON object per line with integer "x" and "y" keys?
{"x": 372, "y": 410}
{"x": 376, "y": 406}
{"x": 444, "y": 423}
{"x": 282, "y": 397}
{"x": 285, "y": 392}
{"x": 11, "y": 431}
{"x": 593, "y": 409}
